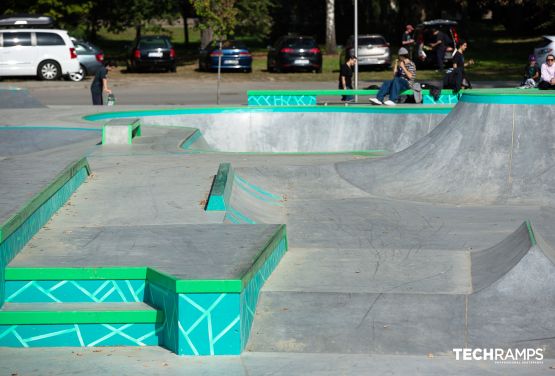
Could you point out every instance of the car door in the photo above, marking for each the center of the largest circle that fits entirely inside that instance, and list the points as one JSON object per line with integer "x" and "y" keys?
{"x": 17, "y": 54}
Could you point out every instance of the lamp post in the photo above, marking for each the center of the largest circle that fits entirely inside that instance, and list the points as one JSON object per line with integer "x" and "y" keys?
{"x": 356, "y": 47}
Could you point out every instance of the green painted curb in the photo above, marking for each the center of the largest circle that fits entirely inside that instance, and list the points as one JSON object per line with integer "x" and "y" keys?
{"x": 54, "y": 274}
{"x": 80, "y": 317}
{"x": 34, "y": 203}
{"x": 531, "y": 233}
{"x": 435, "y": 109}
{"x": 537, "y": 97}
{"x": 220, "y": 192}
{"x": 251, "y": 93}
{"x": 265, "y": 254}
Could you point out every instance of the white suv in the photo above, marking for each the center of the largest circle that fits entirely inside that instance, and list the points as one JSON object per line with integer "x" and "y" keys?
{"x": 46, "y": 53}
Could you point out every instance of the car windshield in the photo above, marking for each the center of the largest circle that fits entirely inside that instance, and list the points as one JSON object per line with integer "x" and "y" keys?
{"x": 300, "y": 43}
{"x": 545, "y": 42}
{"x": 371, "y": 41}
{"x": 154, "y": 43}
{"x": 228, "y": 44}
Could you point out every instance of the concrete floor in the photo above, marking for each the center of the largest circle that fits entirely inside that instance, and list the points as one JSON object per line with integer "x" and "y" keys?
{"x": 370, "y": 284}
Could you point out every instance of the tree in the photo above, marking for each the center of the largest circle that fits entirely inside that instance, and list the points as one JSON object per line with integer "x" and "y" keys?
{"x": 331, "y": 43}
{"x": 219, "y": 16}
{"x": 253, "y": 18}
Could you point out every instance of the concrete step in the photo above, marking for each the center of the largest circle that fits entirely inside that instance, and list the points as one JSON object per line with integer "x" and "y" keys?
{"x": 80, "y": 324}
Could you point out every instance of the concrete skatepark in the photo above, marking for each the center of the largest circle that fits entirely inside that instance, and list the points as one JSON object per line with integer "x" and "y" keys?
{"x": 429, "y": 231}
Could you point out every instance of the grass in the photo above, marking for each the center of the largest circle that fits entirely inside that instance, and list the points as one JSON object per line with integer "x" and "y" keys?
{"x": 497, "y": 57}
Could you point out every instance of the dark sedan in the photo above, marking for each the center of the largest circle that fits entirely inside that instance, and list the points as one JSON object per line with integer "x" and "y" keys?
{"x": 295, "y": 54}
{"x": 235, "y": 56}
{"x": 152, "y": 53}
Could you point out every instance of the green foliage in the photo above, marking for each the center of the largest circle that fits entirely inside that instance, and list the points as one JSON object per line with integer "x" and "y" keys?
{"x": 253, "y": 18}
{"x": 218, "y": 15}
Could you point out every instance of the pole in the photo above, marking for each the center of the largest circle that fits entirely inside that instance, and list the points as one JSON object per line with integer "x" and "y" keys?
{"x": 219, "y": 72}
{"x": 356, "y": 48}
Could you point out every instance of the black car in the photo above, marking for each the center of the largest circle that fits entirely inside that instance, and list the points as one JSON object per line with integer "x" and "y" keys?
{"x": 235, "y": 56}
{"x": 295, "y": 54}
{"x": 152, "y": 53}
{"x": 423, "y": 35}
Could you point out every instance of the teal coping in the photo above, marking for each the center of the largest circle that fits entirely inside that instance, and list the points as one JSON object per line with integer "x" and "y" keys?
{"x": 46, "y": 127}
{"x": 435, "y": 109}
{"x": 99, "y": 316}
{"x": 218, "y": 199}
{"x": 150, "y": 274}
{"x": 16, "y": 220}
{"x": 522, "y": 96}
{"x": 251, "y": 93}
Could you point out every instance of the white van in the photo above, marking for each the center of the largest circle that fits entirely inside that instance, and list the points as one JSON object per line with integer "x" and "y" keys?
{"x": 46, "y": 53}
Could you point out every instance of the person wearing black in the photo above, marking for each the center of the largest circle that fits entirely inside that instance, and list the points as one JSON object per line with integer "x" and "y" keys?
{"x": 100, "y": 83}
{"x": 439, "y": 46}
{"x": 455, "y": 79}
{"x": 346, "y": 77}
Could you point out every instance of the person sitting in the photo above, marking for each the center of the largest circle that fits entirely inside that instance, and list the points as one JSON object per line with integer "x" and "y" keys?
{"x": 455, "y": 78}
{"x": 548, "y": 74}
{"x": 531, "y": 74}
{"x": 404, "y": 73}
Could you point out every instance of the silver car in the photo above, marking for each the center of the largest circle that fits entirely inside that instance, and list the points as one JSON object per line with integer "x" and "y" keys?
{"x": 373, "y": 50}
{"x": 90, "y": 59}
{"x": 546, "y": 47}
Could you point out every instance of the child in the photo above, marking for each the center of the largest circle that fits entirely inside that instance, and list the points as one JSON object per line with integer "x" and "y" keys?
{"x": 531, "y": 74}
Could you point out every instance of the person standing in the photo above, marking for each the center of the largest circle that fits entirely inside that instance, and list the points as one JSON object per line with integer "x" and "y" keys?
{"x": 439, "y": 46}
{"x": 548, "y": 74}
{"x": 407, "y": 40}
{"x": 100, "y": 83}
{"x": 456, "y": 78}
{"x": 346, "y": 77}
{"x": 404, "y": 73}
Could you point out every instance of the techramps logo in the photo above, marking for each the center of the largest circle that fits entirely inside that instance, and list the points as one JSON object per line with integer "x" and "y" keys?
{"x": 526, "y": 356}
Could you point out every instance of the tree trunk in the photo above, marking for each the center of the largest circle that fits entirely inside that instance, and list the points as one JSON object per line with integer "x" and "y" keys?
{"x": 331, "y": 43}
{"x": 206, "y": 36}
{"x": 138, "y": 28}
{"x": 185, "y": 15}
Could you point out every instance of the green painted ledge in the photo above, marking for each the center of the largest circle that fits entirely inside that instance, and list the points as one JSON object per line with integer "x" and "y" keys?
{"x": 34, "y": 203}
{"x": 334, "y": 92}
{"x": 512, "y": 96}
{"x": 420, "y": 109}
{"x": 173, "y": 284}
{"x": 80, "y": 317}
{"x": 220, "y": 192}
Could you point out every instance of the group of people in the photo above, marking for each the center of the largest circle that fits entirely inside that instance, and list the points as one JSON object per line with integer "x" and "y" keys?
{"x": 404, "y": 70}
{"x": 543, "y": 78}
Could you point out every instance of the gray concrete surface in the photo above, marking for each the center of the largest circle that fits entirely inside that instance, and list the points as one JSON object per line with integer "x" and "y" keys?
{"x": 158, "y": 361}
{"x": 17, "y": 98}
{"x": 183, "y": 251}
{"x": 373, "y": 282}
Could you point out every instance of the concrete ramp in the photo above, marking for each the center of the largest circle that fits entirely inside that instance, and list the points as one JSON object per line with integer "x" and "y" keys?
{"x": 17, "y": 98}
{"x": 489, "y": 149}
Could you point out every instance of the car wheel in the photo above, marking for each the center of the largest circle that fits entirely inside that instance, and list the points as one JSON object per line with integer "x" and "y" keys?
{"x": 49, "y": 70}
{"x": 129, "y": 69}
{"x": 78, "y": 76}
{"x": 173, "y": 69}
{"x": 247, "y": 70}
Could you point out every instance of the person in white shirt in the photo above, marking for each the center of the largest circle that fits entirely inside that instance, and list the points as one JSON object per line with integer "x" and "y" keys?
{"x": 548, "y": 74}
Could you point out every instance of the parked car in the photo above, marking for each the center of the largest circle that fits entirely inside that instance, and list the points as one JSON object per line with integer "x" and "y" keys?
{"x": 153, "y": 52}
{"x": 90, "y": 58}
{"x": 235, "y": 56}
{"x": 373, "y": 51}
{"x": 546, "y": 47}
{"x": 423, "y": 35}
{"x": 294, "y": 53}
{"x": 45, "y": 53}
